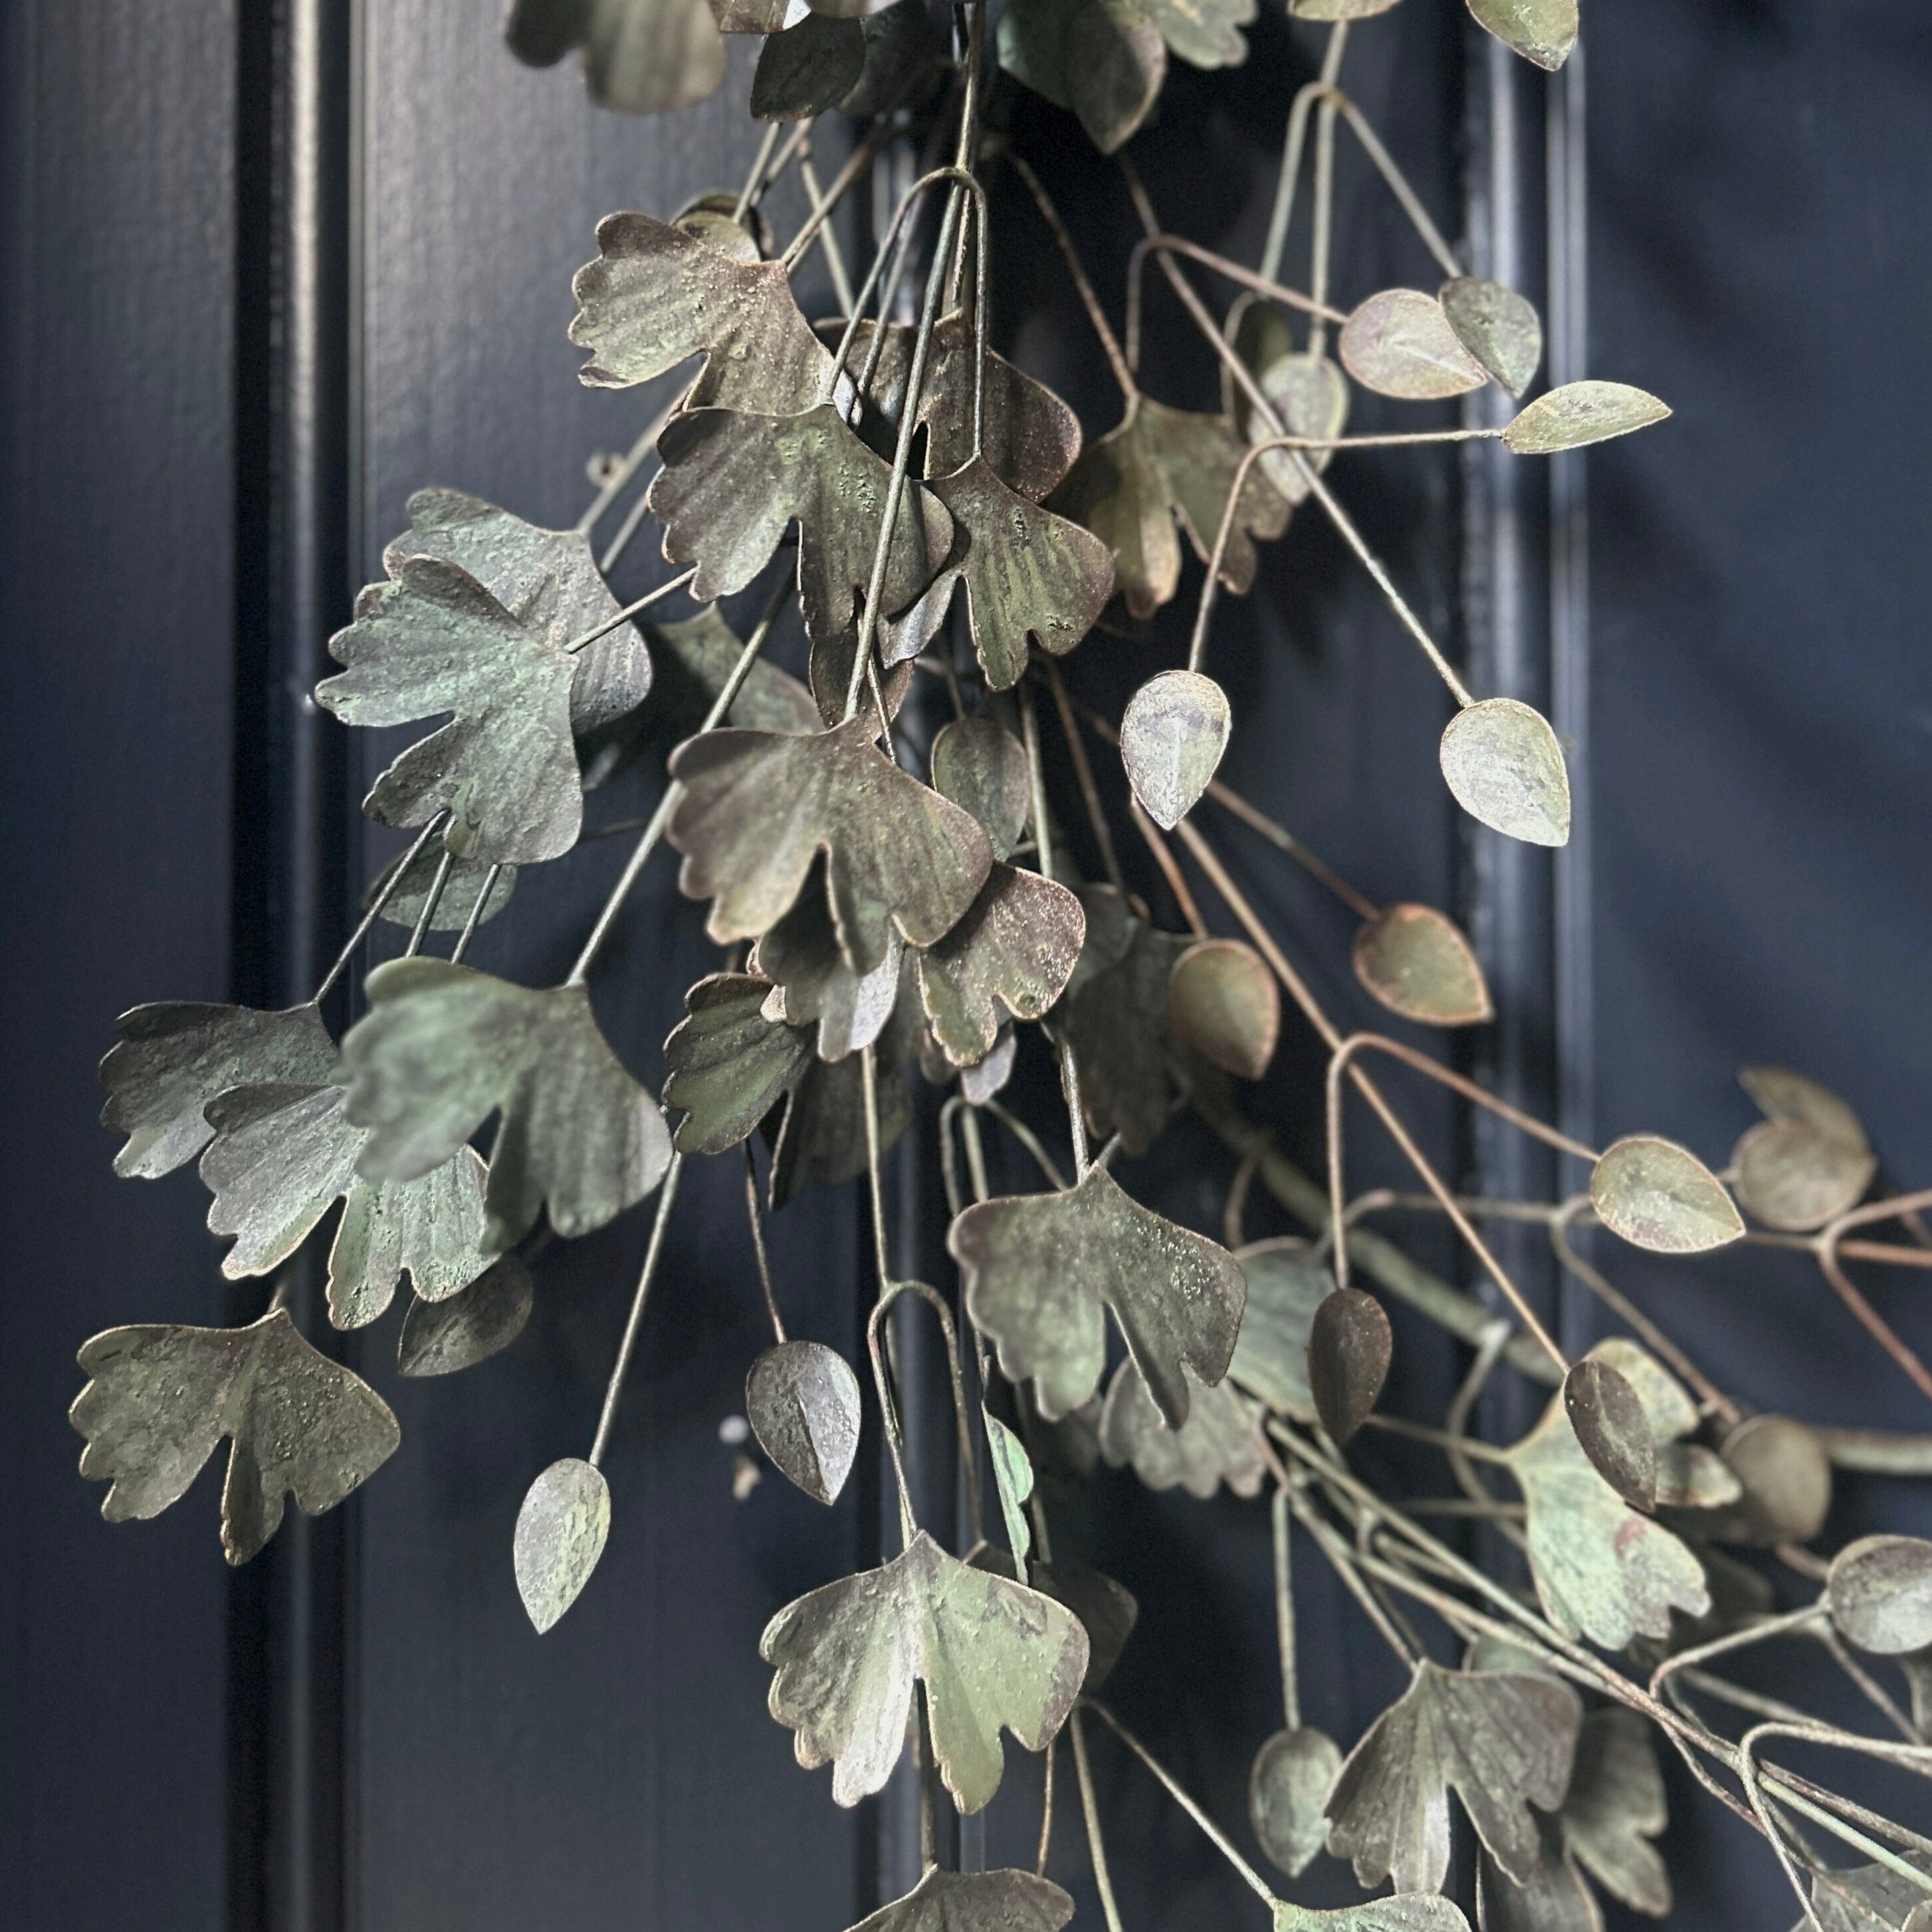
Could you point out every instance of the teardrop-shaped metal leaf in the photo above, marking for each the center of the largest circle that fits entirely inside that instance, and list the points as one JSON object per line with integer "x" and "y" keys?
{"x": 1501, "y": 1741}
{"x": 644, "y": 56}
{"x": 1615, "y": 1805}
{"x": 1350, "y": 1345}
{"x": 654, "y": 298}
{"x": 729, "y": 1064}
{"x": 442, "y": 1047}
{"x": 1501, "y": 761}
{"x": 1792, "y": 1176}
{"x": 434, "y": 641}
{"x": 171, "y": 1058}
{"x": 403, "y": 904}
{"x": 1542, "y": 30}
{"x": 1039, "y": 1267}
{"x": 1660, "y": 1196}
{"x": 1173, "y": 735}
{"x": 1223, "y": 1002}
{"x": 1013, "y": 1478}
{"x": 1580, "y": 413}
{"x": 561, "y": 1529}
{"x": 159, "y": 1398}
{"x": 1117, "y": 491}
{"x": 1293, "y": 1774}
{"x": 983, "y": 1901}
{"x": 1219, "y": 1442}
{"x": 1613, "y": 1430}
{"x": 1287, "y": 1282}
{"x": 1782, "y": 1095}
{"x": 439, "y": 1338}
{"x": 1415, "y": 961}
{"x": 806, "y": 69}
{"x": 1786, "y": 1478}
{"x": 812, "y": 982}
{"x": 802, "y": 1400}
{"x": 1880, "y": 1592}
{"x": 1499, "y": 328}
{"x": 901, "y": 43}
{"x": 1103, "y": 60}
{"x": 992, "y": 1654}
{"x": 1011, "y": 955}
{"x": 1399, "y": 343}
{"x": 1310, "y": 394}
{"x": 980, "y": 765}
{"x": 757, "y": 806}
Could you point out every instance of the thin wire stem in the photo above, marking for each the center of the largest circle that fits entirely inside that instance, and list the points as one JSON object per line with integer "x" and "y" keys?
{"x": 1028, "y": 1139}
{"x": 758, "y": 167}
{"x": 1882, "y": 1331}
{"x": 1045, "y": 1808}
{"x": 431, "y": 900}
{"x": 613, "y": 485}
{"x": 376, "y": 905}
{"x": 1090, "y": 793}
{"x": 477, "y": 907}
{"x": 834, "y": 255}
{"x": 756, "y": 1215}
{"x": 1170, "y": 867}
{"x": 1284, "y": 1607}
{"x": 1220, "y": 265}
{"x": 627, "y": 1348}
{"x": 1116, "y": 361}
{"x": 1096, "y": 1849}
{"x": 630, "y": 610}
{"x": 1069, "y": 1073}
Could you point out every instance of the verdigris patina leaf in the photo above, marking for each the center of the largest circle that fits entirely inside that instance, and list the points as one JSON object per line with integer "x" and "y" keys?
{"x": 1499, "y": 328}
{"x": 802, "y": 1400}
{"x": 433, "y": 640}
{"x": 1419, "y": 1912}
{"x": 1580, "y": 413}
{"x": 1613, "y": 1430}
{"x": 1399, "y": 342}
{"x": 1013, "y": 1478}
{"x": 159, "y": 1398}
{"x": 1808, "y": 1161}
{"x": 1501, "y": 761}
{"x": 442, "y": 1047}
{"x": 811, "y": 981}
{"x": 1615, "y": 1806}
{"x": 1660, "y": 1196}
{"x": 403, "y": 904}
{"x": 1502, "y": 1740}
{"x": 170, "y": 1059}
{"x": 1011, "y": 954}
{"x": 986, "y": 1901}
{"x": 1173, "y": 734}
{"x": 1219, "y": 1442}
{"x": 644, "y": 56}
{"x": 439, "y": 1338}
{"x": 729, "y": 1064}
{"x": 1556, "y": 1898}
{"x": 991, "y": 1654}
{"x": 1200, "y": 456}
{"x": 980, "y": 765}
{"x": 1287, "y": 1282}
{"x": 1038, "y": 1269}
{"x": 1223, "y": 1001}
{"x": 1103, "y": 60}
{"x": 1338, "y": 10}
{"x": 1880, "y": 1593}
{"x": 695, "y": 658}
{"x": 1542, "y": 30}
{"x": 560, "y": 1534}
{"x": 1415, "y": 961}
{"x": 1350, "y": 1345}
{"x": 1287, "y": 1787}
{"x": 1869, "y": 1898}
{"x": 804, "y": 70}
{"x": 757, "y": 806}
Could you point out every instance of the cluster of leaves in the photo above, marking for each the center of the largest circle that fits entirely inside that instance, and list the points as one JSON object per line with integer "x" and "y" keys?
{"x": 892, "y": 912}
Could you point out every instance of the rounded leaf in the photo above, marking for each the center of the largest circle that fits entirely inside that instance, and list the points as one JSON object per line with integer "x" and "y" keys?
{"x": 1880, "y": 1592}
{"x": 1542, "y": 30}
{"x": 1293, "y": 1774}
{"x": 560, "y": 1533}
{"x": 1786, "y": 1478}
{"x": 1660, "y": 1196}
{"x": 1580, "y": 413}
{"x": 1399, "y": 343}
{"x": 1337, "y": 10}
{"x": 1349, "y": 1345}
{"x": 1172, "y": 735}
{"x": 1614, "y": 1431}
{"x": 438, "y": 1338}
{"x": 1499, "y": 328}
{"x": 1415, "y": 961}
{"x": 982, "y": 767}
{"x": 1791, "y": 1176}
{"x": 1501, "y": 761}
{"x": 1223, "y": 1001}
{"x": 802, "y": 1400}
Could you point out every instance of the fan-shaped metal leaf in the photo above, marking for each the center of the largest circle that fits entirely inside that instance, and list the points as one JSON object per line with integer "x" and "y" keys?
{"x": 1038, "y": 1268}
{"x": 442, "y": 1047}
{"x": 1502, "y": 762}
{"x": 1660, "y": 1196}
{"x": 1502, "y": 1740}
{"x": 1615, "y": 1806}
{"x": 758, "y": 806}
{"x": 170, "y": 1059}
{"x": 1868, "y": 1898}
{"x": 1415, "y": 961}
{"x": 1288, "y": 1788}
{"x": 1399, "y": 343}
{"x": 822, "y": 1131}
{"x": 806, "y": 69}
{"x": 560, "y": 1533}
{"x": 1204, "y": 33}
{"x": 1419, "y": 1911}
{"x": 1613, "y": 1430}
{"x": 729, "y": 1064}
{"x": 696, "y": 658}
{"x": 403, "y": 904}
{"x": 1199, "y": 457}
{"x": 504, "y": 767}
{"x": 991, "y": 1654}
{"x": 1499, "y": 328}
{"x": 1012, "y": 954}
{"x": 1223, "y": 1001}
{"x": 644, "y": 56}
{"x": 1556, "y": 1899}
{"x": 1580, "y": 413}
{"x": 1219, "y": 1442}
{"x": 802, "y": 1400}
{"x": 1337, "y": 10}
{"x": 439, "y": 1338}
{"x": 1350, "y": 1345}
{"x": 812, "y": 983}
{"x": 987, "y": 1901}
{"x": 980, "y": 765}
{"x": 1542, "y": 30}
{"x": 1287, "y": 1282}
{"x": 1103, "y": 60}
{"x": 159, "y": 1398}
{"x": 1173, "y": 734}
{"x": 1880, "y": 1592}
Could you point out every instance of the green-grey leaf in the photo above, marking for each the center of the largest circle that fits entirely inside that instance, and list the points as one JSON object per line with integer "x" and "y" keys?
{"x": 171, "y": 1058}
{"x": 442, "y": 1047}
{"x": 1580, "y": 413}
{"x": 1337, "y": 10}
{"x": 1293, "y": 1774}
{"x": 1287, "y": 1282}
{"x": 561, "y": 1530}
{"x": 1791, "y": 1176}
{"x": 1556, "y": 1899}
{"x": 1658, "y": 1196}
{"x": 464, "y": 881}
{"x": 1786, "y": 1479}
{"x": 1502, "y": 1741}
{"x": 986, "y": 1901}
{"x": 991, "y": 1654}
{"x": 1103, "y": 60}
{"x": 900, "y": 41}
{"x": 1173, "y": 734}
{"x": 1613, "y": 1430}
{"x": 1219, "y": 1442}
{"x": 1223, "y": 1001}
{"x": 1415, "y": 961}
{"x": 729, "y": 1065}
{"x": 1310, "y": 394}
{"x": 1782, "y": 1095}
{"x": 696, "y": 657}
{"x": 757, "y": 806}
{"x": 1399, "y": 343}
{"x": 1039, "y": 1267}
{"x": 1499, "y": 328}
{"x": 643, "y": 56}
{"x": 1868, "y": 1898}
{"x": 1106, "y": 1610}
{"x": 802, "y": 1399}
{"x": 1350, "y": 1345}
{"x": 1542, "y": 30}
{"x": 1417, "y": 1912}
{"x": 811, "y": 982}
{"x": 1011, "y": 954}
{"x": 439, "y": 1338}
{"x": 1502, "y": 762}
{"x": 806, "y": 69}
{"x": 980, "y": 765}
{"x": 1013, "y": 1477}
{"x": 435, "y": 641}
{"x": 822, "y": 1131}
{"x": 1880, "y": 1592}
{"x": 1199, "y": 457}
{"x": 159, "y": 1398}
{"x": 1204, "y": 33}
{"x": 1615, "y": 1806}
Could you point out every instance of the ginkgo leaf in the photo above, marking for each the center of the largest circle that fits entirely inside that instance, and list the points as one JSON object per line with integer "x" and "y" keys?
{"x": 403, "y": 900}
{"x": 1223, "y": 1001}
{"x": 1013, "y": 1479}
{"x": 1219, "y": 1442}
{"x": 984, "y": 1901}
{"x": 711, "y": 218}
{"x": 1556, "y": 1898}
{"x": 1542, "y": 30}
{"x": 442, "y": 1047}
{"x": 644, "y": 56}
{"x": 1869, "y": 1898}
{"x": 548, "y": 578}
{"x": 170, "y": 1059}
{"x": 992, "y": 1654}
{"x": 561, "y": 1530}
{"x": 1287, "y": 1282}
{"x": 654, "y": 298}
{"x": 822, "y": 1133}
{"x": 980, "y": 765}
{"x": 1029, "y": 576}
{"x": 733, "y": 482}
{"x": 730, "y": 1063}
{"x": 1039, "y": 1267}
{"x": 1204, "y": 33}
{"x": 1580, "y": 413}
{"x": 1615, "y": 1806}
{"x": 802, "y": 1400}
{"x": 695, "y": 658}
{"x": 1499, "y": 328}
{"x": 811, "y": 981}
{"x": 159, "y": 1398}
{"x": 1173, "y": 734}
{"x": 758, "y": 806}
{"x": 807, "y": 68}
{"x": 1502, "y": 1740}
{"x": 1502, "y": 762}
{"x": 1200, "y": 456}
{"x": 1415, "y": 961}
{"x": 433, "y": 641}
{"x": 1287, "y": 1787}
{"x": 1350, "y": 1345}
{"x": 1103, "y": 60}
{"x": 1419, "y": 1911}
{"x": 1809, "y": 1160}
{"x": 439, "y": 1338}
{"x": 1399, "y": 342}
{"x": 1658, "y": 1196}
{"x": 1011, "y": 954}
